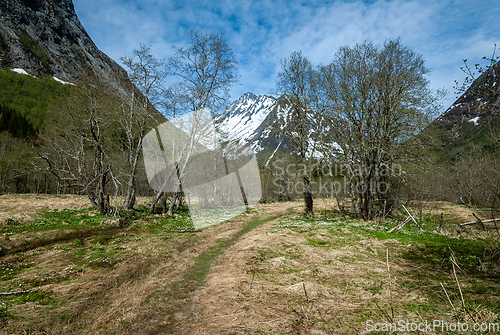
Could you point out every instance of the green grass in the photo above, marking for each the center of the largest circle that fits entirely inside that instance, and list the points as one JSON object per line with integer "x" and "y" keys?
{"x": 423, "y": 257}
{"x": 317, "y": 242}
{"x": 39, "y": 296}
{"x": 24, "y": 107}
{"x": 428, "y": 247}
{"x": 4, "y": 316}
{"x": 14, "y": 266}
{"x": 55, "y": 220}
{"x": 31, "y": 97}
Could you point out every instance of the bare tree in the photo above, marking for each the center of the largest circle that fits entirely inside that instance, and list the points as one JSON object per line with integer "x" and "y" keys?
{"x": 379, "y": 99}
{"x": 303, "y": 108}
{"x": 489, "y": 72}
{"x": 97, "y": 148}
{"x": 145, "y": 72}
{"x": 477, "y": 177}
{"x": 78, "y": 154}
{"x": 204, "y": 73}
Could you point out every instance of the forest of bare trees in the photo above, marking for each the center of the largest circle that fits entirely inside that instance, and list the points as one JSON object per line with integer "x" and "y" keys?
{"x": 365, "y": 116}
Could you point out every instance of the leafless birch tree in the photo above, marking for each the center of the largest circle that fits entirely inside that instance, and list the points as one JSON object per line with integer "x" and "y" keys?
{"x": 204, "y": 73}
{"x": 146, "y": 73}
{"x": 78, "y": 154}
{"x": 303, "y": 107}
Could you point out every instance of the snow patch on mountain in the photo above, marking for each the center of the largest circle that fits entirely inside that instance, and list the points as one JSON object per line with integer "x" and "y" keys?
{"x": 62, "y": 81}
{"x": 250, "y": 120}
{"x": 20, "y": 71}
{"x": 242, "y": 118}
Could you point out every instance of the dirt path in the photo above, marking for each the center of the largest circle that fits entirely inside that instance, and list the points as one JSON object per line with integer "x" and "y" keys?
{"x": 148, "y": 291}
{"x": 161, "y": 298}
{"x": 220, "y": 306}
{"x": 226, "y": 269}
{"x": 268, "y": 271}
{"x": 277, "y": 282}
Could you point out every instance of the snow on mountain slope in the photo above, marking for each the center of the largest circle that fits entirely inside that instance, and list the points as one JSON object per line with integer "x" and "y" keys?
{"x": 249, "y": 122}
{"x": 242, "y": 120}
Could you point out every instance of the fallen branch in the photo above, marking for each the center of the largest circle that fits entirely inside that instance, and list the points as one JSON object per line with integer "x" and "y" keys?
{"x": 478, "y": 222}
{"x": 447, "y": 296}
{"x": 304, "y": 287}
{"x": 459, "y": 288}
{"x": 466, "y": 311}
{"x": 17, "y": 292}
{"x": 478, "y": 219}
{"x": 400, "y": 225}
{"x": 411, "y": 216}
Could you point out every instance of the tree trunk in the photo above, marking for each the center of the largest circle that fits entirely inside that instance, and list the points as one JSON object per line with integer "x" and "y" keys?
{"x": 92, "y": 199}
{"x": 102, "y": 193}
{"x": 131, "y": 185}
{"x": 355, "y": 205}
{"x": 179, "y": 202}
{"x": 155, "y": 201}
{"x": 172, "y": 203}
{"x": 160, "y": 193}
{"x": 340, "y": 204}
{"x": 367, "y": 204}
{"x": 308, "y": 198}
{"x": 129, "y": 202}
{"x": 164, "y": 202}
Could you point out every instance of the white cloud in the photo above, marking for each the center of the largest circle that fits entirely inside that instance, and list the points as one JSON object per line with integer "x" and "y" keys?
{"x": 263, "y": 32}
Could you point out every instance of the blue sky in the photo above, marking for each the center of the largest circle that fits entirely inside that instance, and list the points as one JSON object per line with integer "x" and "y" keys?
{"x": 261, "y": 33}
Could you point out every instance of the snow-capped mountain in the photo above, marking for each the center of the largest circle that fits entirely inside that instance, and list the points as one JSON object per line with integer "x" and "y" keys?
{"x": 243, "y": 121}
{"x": 256, "y": 121}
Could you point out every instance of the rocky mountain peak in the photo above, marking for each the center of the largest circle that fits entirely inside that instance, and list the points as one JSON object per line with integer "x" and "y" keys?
{"x": 243, "y": 119}
{"x": 248, "y": 95}
{"x": 482, "y": 99}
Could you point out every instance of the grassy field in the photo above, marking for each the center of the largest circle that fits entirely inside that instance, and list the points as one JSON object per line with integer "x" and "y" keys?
{"x": 268, "y": 271}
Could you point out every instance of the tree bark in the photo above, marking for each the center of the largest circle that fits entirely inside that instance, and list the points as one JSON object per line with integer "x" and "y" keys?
{"x": 308, "y": 197}
{"x": 155, "y": 201}
{"x": 340, "y": 204}
{"x": 172, "y": 204}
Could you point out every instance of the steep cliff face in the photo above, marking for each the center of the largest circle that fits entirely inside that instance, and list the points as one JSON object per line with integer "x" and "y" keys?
{"x": 45, "y": 37}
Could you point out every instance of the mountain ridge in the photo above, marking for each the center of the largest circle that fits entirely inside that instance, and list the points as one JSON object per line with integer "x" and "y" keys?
{"x": 472, "y": 119}
{"x": 258, "y": 121}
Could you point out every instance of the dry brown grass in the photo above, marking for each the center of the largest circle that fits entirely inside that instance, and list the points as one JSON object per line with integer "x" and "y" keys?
{"x": 138, "y": 294}
{"x": 277, "y": 283}
{"x": 275, "y": 279}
